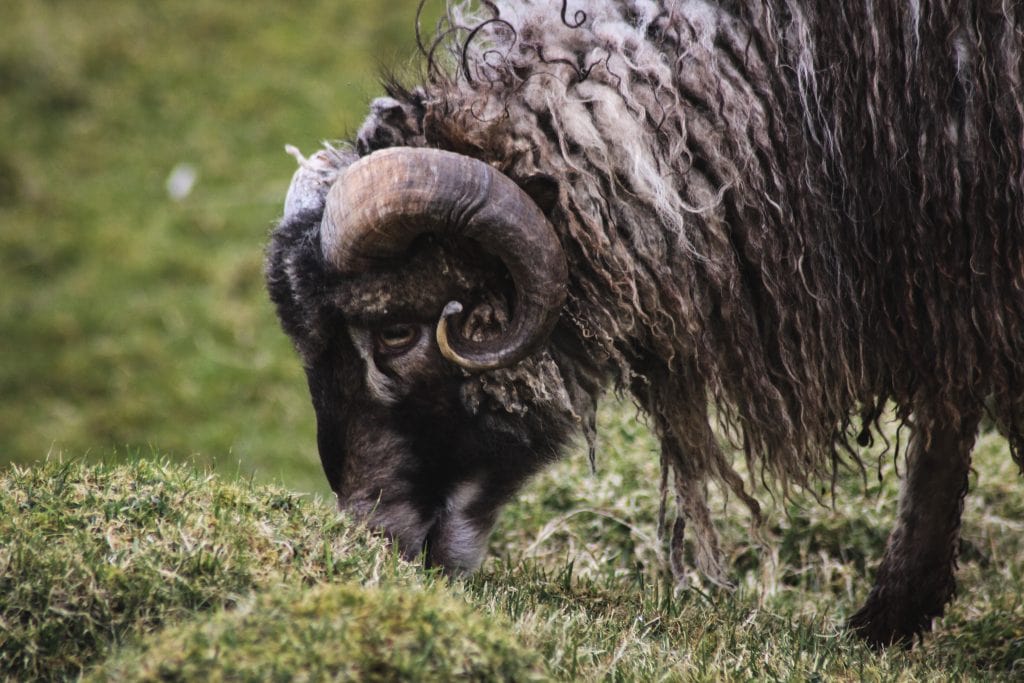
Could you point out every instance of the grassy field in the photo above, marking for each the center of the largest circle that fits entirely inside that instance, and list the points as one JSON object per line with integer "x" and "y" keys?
{"x": 136, "y": 332}
{"x": 154, "y": 571}
{"x": 134, "y": 322}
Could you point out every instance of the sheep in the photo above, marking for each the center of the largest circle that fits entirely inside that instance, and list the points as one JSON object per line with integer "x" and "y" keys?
{"x": 777, "y": 216}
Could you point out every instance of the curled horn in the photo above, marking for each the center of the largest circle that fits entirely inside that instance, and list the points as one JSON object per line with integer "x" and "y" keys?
{"x": 384, "y": 201}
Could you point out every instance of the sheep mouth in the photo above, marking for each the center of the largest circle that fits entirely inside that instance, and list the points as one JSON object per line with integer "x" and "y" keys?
{"x": 424, "y": 547}
{"x": 413, "y": 547}
{"x": 450, "y": 538}
{"x": 428, "y": 550}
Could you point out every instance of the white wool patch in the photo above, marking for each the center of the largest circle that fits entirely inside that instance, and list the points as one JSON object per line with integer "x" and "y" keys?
{"x": 461, "y": 539}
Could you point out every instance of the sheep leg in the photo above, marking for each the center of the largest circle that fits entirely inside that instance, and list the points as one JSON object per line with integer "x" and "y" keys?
{"x": 916, "y": 577}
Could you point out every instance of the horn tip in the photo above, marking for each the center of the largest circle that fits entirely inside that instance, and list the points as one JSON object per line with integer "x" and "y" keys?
{"x": 451, "y": 308}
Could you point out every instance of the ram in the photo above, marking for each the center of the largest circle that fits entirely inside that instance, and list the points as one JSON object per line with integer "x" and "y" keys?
{"x": 778, "y": 215}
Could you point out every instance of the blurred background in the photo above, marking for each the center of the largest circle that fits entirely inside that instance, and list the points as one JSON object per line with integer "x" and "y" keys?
{"x": 141, "y": 169}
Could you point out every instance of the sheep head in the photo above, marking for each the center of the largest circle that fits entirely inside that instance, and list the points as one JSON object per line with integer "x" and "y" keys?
{"x": 414, "y": 282}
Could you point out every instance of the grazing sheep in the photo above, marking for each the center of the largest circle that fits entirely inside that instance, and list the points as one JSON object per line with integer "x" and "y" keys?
{"x": 778, "y": 214}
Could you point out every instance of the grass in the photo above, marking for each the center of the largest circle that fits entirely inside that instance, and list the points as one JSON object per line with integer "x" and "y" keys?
{"x": 133, "y": 322}
{"x": 337, "y": 631}
{"x": 93, "y": 555}
{"x": 155, "y": 571}
{"x": 138, "y": 340}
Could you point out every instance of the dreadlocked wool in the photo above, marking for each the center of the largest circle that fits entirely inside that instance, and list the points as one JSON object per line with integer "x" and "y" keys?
{"x": 777, "y": 215}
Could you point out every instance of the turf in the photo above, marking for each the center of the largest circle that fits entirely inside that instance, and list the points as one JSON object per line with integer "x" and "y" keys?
{"x": 156, "y": 571}
{"x": 340, "y": 632}
{"x": 92, "y": 555}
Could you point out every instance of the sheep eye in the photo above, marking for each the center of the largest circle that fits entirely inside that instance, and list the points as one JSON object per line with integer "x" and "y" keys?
{"x": 396, "y": 338}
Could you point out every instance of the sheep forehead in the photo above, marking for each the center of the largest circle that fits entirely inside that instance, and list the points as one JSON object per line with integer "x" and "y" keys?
{"x": 313, "y": 178}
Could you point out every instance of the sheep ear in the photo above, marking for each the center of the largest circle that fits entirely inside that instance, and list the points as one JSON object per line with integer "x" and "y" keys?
{"x": 313, "y": 179}
{"x": 543, "y": 190}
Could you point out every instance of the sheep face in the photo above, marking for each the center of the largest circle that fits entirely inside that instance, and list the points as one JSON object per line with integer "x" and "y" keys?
{"x": 413, "y": 462}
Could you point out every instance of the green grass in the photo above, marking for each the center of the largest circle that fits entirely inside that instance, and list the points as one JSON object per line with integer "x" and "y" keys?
{"x": 338, "y": 631}
{"x": 132, "y": 321}
{"x": 93, "y": 555}
{"x": 155, "y": 571}
{"x": 136, "y": 333}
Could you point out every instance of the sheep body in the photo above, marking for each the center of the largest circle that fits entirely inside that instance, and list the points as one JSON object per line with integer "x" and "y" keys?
{"x": 794, "y": 212}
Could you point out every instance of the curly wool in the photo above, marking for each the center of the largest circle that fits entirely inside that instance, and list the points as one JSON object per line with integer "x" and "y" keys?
{"x": 789, "y": 212}
{"x": 795, "y": 227}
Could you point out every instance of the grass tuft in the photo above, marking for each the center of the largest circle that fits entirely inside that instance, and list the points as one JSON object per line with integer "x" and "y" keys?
{"x": 93, "y": 555}
{"x": 333, "y": 632}
{"x": 152, "y": 570}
